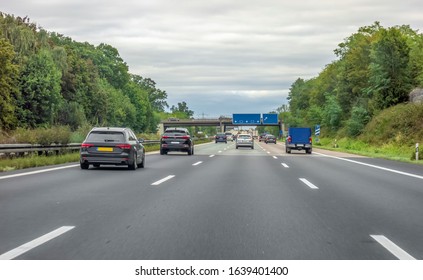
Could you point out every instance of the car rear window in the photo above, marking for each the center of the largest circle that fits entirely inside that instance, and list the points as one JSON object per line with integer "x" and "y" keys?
{"x": 244, "y": 136}
{"x": 106, "y": 136}
{"x": 175, "y": 133}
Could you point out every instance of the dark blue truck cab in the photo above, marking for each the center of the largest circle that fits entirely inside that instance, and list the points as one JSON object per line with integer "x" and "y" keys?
{"x": 299, "y": 138}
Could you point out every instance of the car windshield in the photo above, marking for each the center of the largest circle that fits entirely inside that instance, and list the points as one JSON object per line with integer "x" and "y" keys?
{"x": 106, "y": 136}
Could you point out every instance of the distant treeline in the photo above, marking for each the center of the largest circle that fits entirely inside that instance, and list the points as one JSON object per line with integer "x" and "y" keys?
{"x": 48, "y": 79}
{"x": 377, "y": 68}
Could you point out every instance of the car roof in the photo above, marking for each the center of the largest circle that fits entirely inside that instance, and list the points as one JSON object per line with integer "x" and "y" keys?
{"x": 117, "y": 129}
{"x": 176, "y": 128}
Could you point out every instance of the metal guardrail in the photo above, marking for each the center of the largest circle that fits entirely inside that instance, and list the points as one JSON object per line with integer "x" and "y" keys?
{"x": 24, "y": 149}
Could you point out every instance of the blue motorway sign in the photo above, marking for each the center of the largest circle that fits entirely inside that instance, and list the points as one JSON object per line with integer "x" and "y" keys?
{"x": 270, "y": 119}
{"x": 246, "y": 119}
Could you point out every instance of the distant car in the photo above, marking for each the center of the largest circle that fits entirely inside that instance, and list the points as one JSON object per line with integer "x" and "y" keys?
{"x": 229, "y": 136}
{"x": 112, "y": 146}
{"x": 176, "y": 139}
{"x": 262, "y": 137}
{"x": 244, "y": 140}
{"x": 270, "y": 139}
{"x": 221, "y": 137}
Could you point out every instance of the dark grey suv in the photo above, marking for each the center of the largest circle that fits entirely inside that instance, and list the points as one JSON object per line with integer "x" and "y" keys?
{"x": 176, "y": 139}
{"x": 112, "y": 146}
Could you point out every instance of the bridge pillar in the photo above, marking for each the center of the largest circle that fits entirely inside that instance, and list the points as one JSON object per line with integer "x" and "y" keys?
{"x": 161, "y": 128}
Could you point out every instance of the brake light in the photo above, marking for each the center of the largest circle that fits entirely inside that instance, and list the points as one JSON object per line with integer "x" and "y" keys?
{"x": 165, "y": 137}
{"x": 310, "y": 139}
{"x": 289, "y": 139}
{"x": 124, "y": 146}
{"x": 85, "y": 145}
{"x": 185, "y": 137}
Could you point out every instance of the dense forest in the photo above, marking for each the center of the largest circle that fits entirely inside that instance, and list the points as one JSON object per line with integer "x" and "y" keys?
{"x": 47, "y": 79}
{"x": 377, "y": 68}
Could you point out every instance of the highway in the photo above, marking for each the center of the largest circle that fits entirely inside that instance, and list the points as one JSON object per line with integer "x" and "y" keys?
{"x": 220, "y": 203}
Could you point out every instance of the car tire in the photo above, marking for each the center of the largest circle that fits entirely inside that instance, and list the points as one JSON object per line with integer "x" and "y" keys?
{"x": 288, "y": 151}
{"x": 190, "y": 152}
{"x": 237, "y": 147}
{"x": 133, "y": 166}
{"x": 142, "y": 164}
{"x": 162, "y": 152}
{"x": 84, "y": 165}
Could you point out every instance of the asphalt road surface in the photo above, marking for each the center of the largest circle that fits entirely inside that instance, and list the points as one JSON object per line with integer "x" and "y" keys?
{"x": 221, "y": 203}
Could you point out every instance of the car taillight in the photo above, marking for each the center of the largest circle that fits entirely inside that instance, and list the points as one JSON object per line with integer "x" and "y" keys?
{"x": 185, "y": 137}
{"x": 289, "y": 139}
{"x": 85, "y": 145}
{"x": 310, "y": 139}
{"x": 165, "y": 137}
{"x": 124, "y": 146}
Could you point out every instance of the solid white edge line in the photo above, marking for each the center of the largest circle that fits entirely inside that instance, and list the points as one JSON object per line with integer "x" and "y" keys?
{"x": 162, "y": 180}
{"x": 308, "y": 183}
{"x": 392, "y": 247}
{"x": 285, "y": 165}
{"x": 197, "y": 163}
{"x": 37, "y": 172}
{"x": 374, "y": 166}
{"x": 34, "y": 243}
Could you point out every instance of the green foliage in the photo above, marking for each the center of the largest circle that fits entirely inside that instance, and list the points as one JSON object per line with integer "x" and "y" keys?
{"x": 182, "y": 111}
{"x": 401, "y": 124}
{"x": 359, "y": 118}
{"x": 40, "y": 89}
{"x": 47, "y": 79}
{"x": 377, "y": 69}
{"x": 8, "y": 85}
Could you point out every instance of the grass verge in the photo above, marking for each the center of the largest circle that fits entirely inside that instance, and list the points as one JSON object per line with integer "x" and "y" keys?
{"x": 386, "y": 151}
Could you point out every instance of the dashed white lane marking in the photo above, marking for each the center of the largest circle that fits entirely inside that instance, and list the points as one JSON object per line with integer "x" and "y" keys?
{"x": 219, "y": 151}
{"x": 285, "y": 165}
{"x": 211, "y": 156}
{"x": 197, "y": 163}
{"x": 374, "y": 166}
{"x": 275, "y": 157}
{"x": 308, "y": 183}
{"x": 163, "y": 180}
{"x": 392, "y": 247}
{"x": 38, "y": 171}
{"x": 268, "y": 152}
{"x": 34, "y": 243}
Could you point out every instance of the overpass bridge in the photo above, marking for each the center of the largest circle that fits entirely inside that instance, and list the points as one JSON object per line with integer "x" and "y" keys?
{"x": 221, "y": 122}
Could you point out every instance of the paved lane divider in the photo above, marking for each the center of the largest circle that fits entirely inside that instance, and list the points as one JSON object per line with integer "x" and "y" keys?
{"x": 197, "y": 163}
{"x": 38, "y": 171}
{"x": 285, "y": 165}
{"x": 308, "y": 183}
{"x": 392, "y": 247}
{"x": 163, "y": 180}
{"x": 35, "y": 243}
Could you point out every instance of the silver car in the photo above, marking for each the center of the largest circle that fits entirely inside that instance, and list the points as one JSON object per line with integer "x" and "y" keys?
{"x": 244, "y": 140}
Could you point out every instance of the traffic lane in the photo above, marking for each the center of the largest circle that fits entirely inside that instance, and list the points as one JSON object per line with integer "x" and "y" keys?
{"x": 388, "y": 203}
{"x": 35, "y": 204}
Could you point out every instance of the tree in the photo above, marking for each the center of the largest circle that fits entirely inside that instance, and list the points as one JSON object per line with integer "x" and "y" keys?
{"x": 182, "y": 110}
{"x": 8, "y": 85}
{"x": 40, "y": 88}
{"x": 390, "y": 81}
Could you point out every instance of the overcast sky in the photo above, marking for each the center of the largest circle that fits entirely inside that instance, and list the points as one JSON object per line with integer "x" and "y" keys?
{"x": 219, "y": 56}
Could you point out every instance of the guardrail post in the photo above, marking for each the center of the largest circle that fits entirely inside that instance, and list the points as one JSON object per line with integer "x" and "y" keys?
{"x": 417, "y": 151}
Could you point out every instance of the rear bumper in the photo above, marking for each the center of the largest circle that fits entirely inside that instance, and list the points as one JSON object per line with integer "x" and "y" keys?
{"x": 175, "y": 147}
{"x": 110, "y": 160}
{"x": 299, "y": 146}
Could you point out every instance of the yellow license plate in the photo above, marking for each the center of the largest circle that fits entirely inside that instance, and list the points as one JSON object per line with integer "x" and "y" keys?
{"x": 104, "y": 149}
